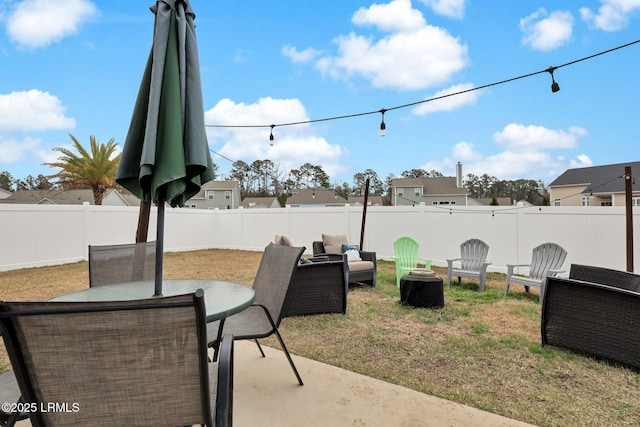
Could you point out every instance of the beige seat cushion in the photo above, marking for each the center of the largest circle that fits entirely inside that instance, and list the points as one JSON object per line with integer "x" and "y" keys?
{"x": 360, "y": 266}
{"x": 333, "y": 243}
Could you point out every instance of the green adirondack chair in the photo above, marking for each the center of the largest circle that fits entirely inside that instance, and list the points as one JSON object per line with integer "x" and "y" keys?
{"x": 406, "y": 257}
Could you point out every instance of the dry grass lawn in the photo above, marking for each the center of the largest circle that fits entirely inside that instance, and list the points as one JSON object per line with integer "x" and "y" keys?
{"x": 481, "y": 350}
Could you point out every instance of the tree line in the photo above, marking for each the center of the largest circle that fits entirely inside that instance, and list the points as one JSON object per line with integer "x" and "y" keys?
{"x": 96, "y": 169}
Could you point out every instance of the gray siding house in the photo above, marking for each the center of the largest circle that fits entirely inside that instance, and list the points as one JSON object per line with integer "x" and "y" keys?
{"x": 216, "y": 195}
{"x": 440, "y": 191}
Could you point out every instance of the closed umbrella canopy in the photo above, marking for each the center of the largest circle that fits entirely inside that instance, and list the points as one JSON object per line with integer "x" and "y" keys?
{"x": 166, "y": 155}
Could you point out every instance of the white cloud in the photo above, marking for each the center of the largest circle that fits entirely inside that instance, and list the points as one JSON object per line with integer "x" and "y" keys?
{"x": 518, "y": 137}
{"x": 396, "y": 16}
{"x": 413, "y": 55}
{"x": 464, "y": 152}
{"x": 293, "y": 145}
{"x": 613, "y": 15}
{"x": 38, "y": 23}
{"x": 13, "y": 151}
{"x": 449, "y": 103}
{"x": 302, "y": 56}
{"x": 582, "y": 161}
{"x": 32, "y": 110}
{"x": 525, "y": 149}
{"x": 544, "y": 31}
{"x": 449, "y": 8}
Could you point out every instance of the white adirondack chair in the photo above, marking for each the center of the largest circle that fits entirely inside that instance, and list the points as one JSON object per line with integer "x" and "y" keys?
{"x": 546, "y": 260}
{"x": 473, "y": 262}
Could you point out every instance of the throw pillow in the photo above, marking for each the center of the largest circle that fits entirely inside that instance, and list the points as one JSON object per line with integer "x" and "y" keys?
{"x": 333, "y": 242}
{"x": 353, "y": 255}
{"x": 282, "y": 240}
{"x": 345, "y": 248}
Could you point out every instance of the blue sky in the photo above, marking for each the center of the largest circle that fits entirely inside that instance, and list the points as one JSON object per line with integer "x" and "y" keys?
{"x": 74, "y": 67}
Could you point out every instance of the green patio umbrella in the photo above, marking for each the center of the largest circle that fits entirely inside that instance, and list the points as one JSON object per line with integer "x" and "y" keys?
{"x": 166, "y": 157}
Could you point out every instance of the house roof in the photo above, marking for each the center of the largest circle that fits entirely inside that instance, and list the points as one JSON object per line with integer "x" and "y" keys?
{"x": 445, "y": 185}
{"x": 599, "y": 179}
{"x": 217, "y": 185}
{"x": 58, "y": 197}
{"x": 315, "y": 196}
{"x": 258, "y": 202}
{"x": 65, "y": 197}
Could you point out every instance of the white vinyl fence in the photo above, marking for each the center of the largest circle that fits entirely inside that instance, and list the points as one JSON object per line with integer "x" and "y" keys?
{"x": 39, "y": 235}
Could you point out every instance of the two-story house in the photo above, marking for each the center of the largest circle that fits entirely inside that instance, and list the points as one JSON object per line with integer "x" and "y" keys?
{"x": 595, "y": 186}
{"x": 216, "y": 194}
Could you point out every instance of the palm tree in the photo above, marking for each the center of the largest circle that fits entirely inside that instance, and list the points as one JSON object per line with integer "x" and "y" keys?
{"x": 96, "y": 169}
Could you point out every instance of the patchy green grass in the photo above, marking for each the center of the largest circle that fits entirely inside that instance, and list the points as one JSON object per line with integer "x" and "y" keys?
{"x": 481, "y": 350}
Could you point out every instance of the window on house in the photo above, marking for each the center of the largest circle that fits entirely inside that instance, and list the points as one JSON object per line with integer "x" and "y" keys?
{"x": 586, "y": 200}
{"x": 635, "y": 201}
{"x": 434, "y": 203}
{"x": 227, "y": 195}
{"x": 400, "y": 192}
{"x": 557, "y": 202}
{"x": 417, "y": 191}
{"x": 210, "y": 194}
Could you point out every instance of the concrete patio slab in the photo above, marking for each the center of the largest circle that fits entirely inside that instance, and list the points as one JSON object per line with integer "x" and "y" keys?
{"x": 266, "y": 393}
{"x": 335, "y": 397}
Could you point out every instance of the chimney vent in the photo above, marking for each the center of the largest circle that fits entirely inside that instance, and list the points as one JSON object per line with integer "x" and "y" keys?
{"x": 459, "y": 175}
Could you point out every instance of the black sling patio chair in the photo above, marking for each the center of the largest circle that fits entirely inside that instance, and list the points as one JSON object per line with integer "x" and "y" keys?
{"x": 262, "y": 318}
{"x": 130, "y": 262}
{"x": 138, "y": 362}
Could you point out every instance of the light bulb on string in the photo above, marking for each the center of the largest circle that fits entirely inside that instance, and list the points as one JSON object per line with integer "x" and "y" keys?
{"x": 271, "y": 142}
{"x": 383, "y": 127}
{"x": 555, "y": 87}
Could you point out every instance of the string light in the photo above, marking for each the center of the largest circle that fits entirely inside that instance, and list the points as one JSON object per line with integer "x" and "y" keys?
{"x": 555, "y": 87}
{"x": 383, "y": 127}
{"x": 271, "y": 136}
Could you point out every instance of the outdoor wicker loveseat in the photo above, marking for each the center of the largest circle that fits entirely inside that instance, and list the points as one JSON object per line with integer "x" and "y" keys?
{"x": 595, "y": 311}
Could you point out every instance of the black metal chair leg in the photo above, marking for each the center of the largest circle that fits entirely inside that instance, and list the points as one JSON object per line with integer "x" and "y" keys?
{"x": 286, "y": 352}
{"x": 259, "y": 347}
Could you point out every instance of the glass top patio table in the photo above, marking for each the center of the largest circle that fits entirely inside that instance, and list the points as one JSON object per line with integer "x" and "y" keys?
{"x": 222, "y": 299}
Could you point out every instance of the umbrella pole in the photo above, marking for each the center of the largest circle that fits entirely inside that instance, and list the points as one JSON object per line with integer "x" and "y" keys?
{"x": 159, "y": 247}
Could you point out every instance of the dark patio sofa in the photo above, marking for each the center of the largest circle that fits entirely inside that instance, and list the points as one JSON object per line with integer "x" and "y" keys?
{"x": 319, "y": 286}
{"x": 595, "y": 311}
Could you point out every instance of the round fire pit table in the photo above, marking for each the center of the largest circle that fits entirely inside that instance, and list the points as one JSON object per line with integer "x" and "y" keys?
{"x": 422, "y": 288}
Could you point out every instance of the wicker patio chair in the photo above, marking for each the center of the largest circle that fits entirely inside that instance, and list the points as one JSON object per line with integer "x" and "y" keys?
{"x": 473, "y": 262}
{"x": 318, "y": 286}
{"x": 138, "y": 362}
{"x": 363, "y": 270}
{"x": 263, "y": 317}
{"x": 131, "y": 262}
